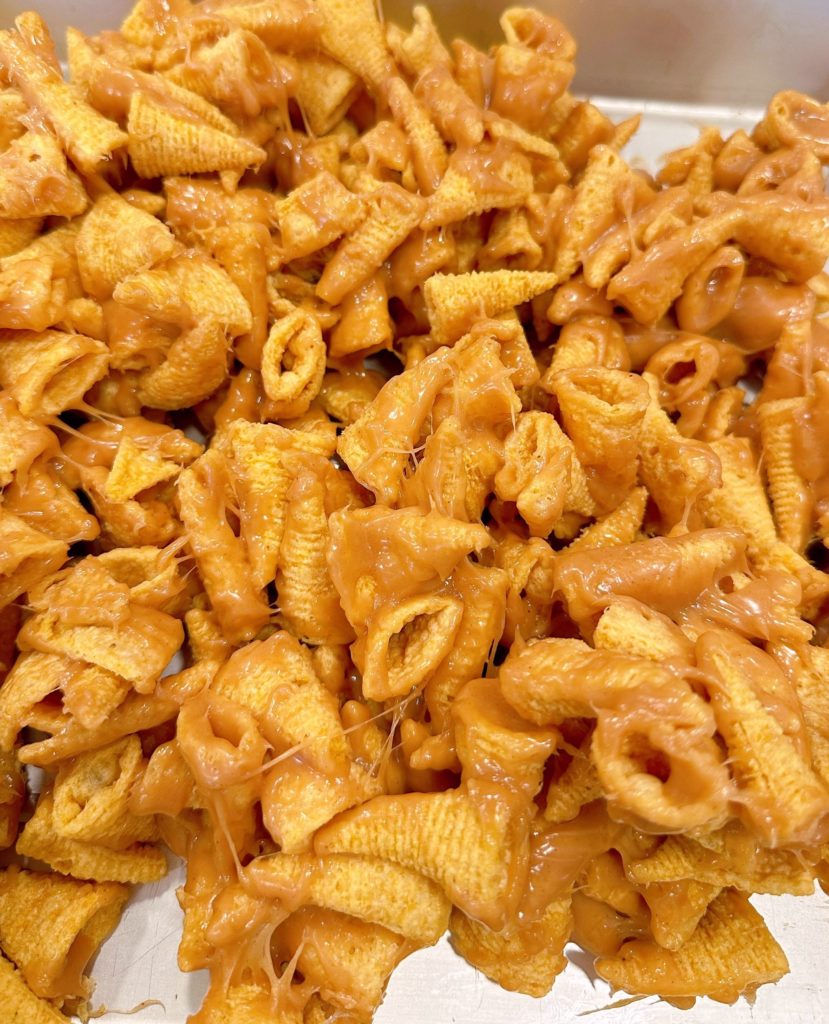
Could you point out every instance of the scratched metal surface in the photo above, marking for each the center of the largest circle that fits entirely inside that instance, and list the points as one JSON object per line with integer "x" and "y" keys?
{"x": 436, "y": 987}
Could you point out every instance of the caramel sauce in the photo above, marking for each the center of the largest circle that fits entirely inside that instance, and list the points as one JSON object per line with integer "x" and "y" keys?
{"x": 667, "y": 572}
{"x": 483, "y": 166}
{"x": 600, "y": 929}
{"x": 763, "y": 608}
{"x": 559, "y": 854}
{"x": 762, "y": 307}
{"x": 811, "y": 443}
{"x": 138, "y": 340}
{"x": 401, "y": 565}
{"x": 525, "y": 96}
{"x": 422, "y": 254}
{"x": 809, "y": 120}
{"x": 241, "y": 609}
{"x": 482, "y": 717}
{"x": 408, "y": 502}
{"x": 166, "y": 787}
{"x": 195, "y": 206}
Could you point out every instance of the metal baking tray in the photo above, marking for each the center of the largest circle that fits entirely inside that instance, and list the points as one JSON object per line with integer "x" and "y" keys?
{"x": 682, "y": 65}
{"x": 434, "y": 986}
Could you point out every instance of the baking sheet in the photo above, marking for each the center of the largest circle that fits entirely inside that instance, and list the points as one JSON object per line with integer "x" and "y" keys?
{"x": 434, "y": 986}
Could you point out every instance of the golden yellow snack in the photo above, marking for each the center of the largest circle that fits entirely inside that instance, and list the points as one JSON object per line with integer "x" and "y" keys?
{"x": 40, "y": 840}
{"x": 91, "y": 797}
{"x": 406, "y": 643}
{"x": 204, "y": 635}
{"x": 298, "y": 800}
{"x": 137, "y": 712}
{"x": 37, "y": 182}
{"x": 162, "y": 142}
{"x": 667, "y": 768}
{"x": 318, "y": 1011}
{"x": 37, "y": 280}
{"x": 246, "y": 1003}
{"x": 429, "y": 158}
{"x": 118, "y": 239}
{"x": 730, "y": 857}
{"x": 731, "y": 953}
{"x": 493, "y": 176}
{"x": 345, "y": 396}
{"x": 316, "y": 214}
{"x": 303, "y": 713}
{"x": 605, "y": 880}
{"x": 12, "y": 792}
{"x": 767, "y": 765}
{"x": 204, "y": 349}
{"x": 670, "y": 572}
{"x": 766, "y": 222}
{"x": 38, "y": 496}
{"x": 526, "y": 959}
{"x": 537, "y": 472}
{"x": 446, "y": 836}
{"x": 290, "y": 24}
{"x": 397, "y": 552}
{"x": 787, "y": 121}
{"x": 537, "y": 680}
{"x": 377, "y": 451}
{"x": 676, "y": 470}
{"x": 252, "y": 674}
{"x": 364, "y": 325}
{"x": 15, "y": 235}
{"x": 326, "y": 90}
{"x": 393, "y": 213}
{"x": 578, "y": 785}
{"x": 605, "y": 175}
{"x": 588, "y": 341}
{"x": 676, "y": 909}
{"x": 603, "y": 413}
{"x": 678, "y": 254}
{"x": 93, "y": 67}
{"x": 27, "y": 555}
{"x": 134, "y": 470}
{"x": 262, "y": 478}
{"x": 790, "y": 494}
{"x": 662, "y": 214}
{"x": 203, "y": 495}
{"x": 308, "y": 600}
{"x": 555, "y": 679}
{"x": 12, "y": 108}
{"x": 629, "y": 626}
{"x": 741, "y": 502}
{"x": 351, "y": 32}
{"x": 371, "y": 889}
{"x": 20, "y": 1003}
{"x": 362, "y": 955}
{"x": 455, "y": 302}
{"x": 809, "y": 669}
{"x": 30, "y": 679}
{"x": 293, "y": 364}
{"x": 48, "y": 373}
{"x": 483, "y": 592}
{"x": 489, "y": 596}
{"x": 619, "y": 527}
{"x": 88, "y": 138}
{"x": 89, "y": 694}
{"x": 186, "y": 285}
{"x": 53, "y": 946}
{"x": 138, "y": 649}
